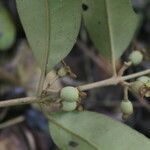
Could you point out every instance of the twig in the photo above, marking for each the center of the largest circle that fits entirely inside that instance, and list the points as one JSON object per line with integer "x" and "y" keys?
{"x": 112, "y": 81}
{"x": 113, "y": 61}
{"x": 18, "y": 101}
{"x": 107, "y": 82}
{"x": 50, "y": 95}
{"x": 135, "y": 75}
{"x": 104, "y": 83}
{"x": 12, "y": 122}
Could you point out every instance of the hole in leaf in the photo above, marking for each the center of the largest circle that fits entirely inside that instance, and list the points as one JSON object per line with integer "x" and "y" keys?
{"x": 99, "y": 22}
{"x": 85, "y": 7}
{"x": 73, "y": 144}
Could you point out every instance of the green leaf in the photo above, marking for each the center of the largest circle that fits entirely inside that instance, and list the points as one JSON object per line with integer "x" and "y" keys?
{"x": 51, "y": 27}
{"x": 111, "y": 25}
{"x": 93, "y": 131}
{"x": 7, "y": 29}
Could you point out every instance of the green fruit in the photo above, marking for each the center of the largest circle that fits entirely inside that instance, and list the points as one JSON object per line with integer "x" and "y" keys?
{"x": 68, "y": 106}
{"x": 69, "y": 94}
{"x": 126, "y": 107}
{"x": 144, "y": 79}
{"x": 136, "y": 86}
{"x": 7, "y": 29}
{"x": 136, "y": 57}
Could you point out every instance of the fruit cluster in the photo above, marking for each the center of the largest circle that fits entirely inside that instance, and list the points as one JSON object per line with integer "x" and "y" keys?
{"x": 69, "y": 96}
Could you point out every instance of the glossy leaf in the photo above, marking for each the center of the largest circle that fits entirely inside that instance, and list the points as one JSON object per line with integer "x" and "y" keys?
{"x": 51, "y": 27}
{"x": 93, "y": 131}
{"x": 111, "y": 25}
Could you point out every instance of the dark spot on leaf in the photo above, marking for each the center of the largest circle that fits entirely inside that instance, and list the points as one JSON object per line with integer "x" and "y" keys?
{"x": 73, "y": 144}
{"x": 85, "y": 7}
{"x": 99, "y": 22}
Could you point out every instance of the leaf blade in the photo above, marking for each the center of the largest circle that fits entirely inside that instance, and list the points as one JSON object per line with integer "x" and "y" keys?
{"x": 98, "y": 130}
{"x": 111, "y": 25}
{"x": 64, "y": 18}
{"x": 28, "y": 20}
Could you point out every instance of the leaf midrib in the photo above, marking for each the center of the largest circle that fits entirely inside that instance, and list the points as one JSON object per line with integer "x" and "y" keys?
{"x": 46, "y": 50}
{"x": 109, "y": 29}
{"x": 78, "y": 136}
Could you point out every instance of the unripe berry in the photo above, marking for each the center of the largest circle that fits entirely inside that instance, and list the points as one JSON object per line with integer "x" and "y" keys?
{"x": 7, "y": 29}
{"x": 126, "y": 107}
{"x": 136, "y": 86}
{"x": 136, "y": 57}
{"x": 144, "y": 79}
{"x": 68, "y": 106}
{"x": 69, "y": 94}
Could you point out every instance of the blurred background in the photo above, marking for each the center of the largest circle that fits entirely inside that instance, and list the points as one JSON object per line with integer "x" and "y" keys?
{"x": 25, "y": 127}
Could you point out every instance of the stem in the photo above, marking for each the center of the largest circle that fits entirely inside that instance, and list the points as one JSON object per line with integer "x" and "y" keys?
{"x": 104, "y": 83}
{"x": 126, "y": 93}
{"x": 107, "y": 82}
{"x": 112, "y": 81}
{"x": 125, "y": 66}
{"x": 135, "y": 75}
{"x": 18, "y": 101}
{"x": 12, "y": 122}
{"x": 113, "y": 65}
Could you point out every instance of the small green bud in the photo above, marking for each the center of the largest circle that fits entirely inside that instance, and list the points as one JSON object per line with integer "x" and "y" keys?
{"x": 144, "y": 79}
{"x": 62, "y": 72}
{"x": 69, "y": 94}
{"x": 136, "y": 57}
{"x": 68, "y": 106}
{"x": 126, "y": 107}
